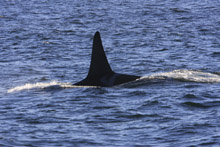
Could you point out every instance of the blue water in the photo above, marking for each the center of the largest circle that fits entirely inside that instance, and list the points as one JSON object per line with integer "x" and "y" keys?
{"x": 45, "y": 46}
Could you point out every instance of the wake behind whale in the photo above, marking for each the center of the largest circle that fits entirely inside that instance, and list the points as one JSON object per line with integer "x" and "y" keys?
{"x": 182, "y": 75}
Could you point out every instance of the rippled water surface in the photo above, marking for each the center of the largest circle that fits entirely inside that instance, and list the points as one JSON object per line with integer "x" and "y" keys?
{"x": 46, "y": 45}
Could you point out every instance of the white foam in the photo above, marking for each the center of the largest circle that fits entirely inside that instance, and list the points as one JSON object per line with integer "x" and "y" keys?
{"x": 29, "y": 86}
{"x": 187, "y": 75}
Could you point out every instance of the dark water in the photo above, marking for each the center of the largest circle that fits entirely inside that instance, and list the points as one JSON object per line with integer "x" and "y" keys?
{"x": 46, "y": 45}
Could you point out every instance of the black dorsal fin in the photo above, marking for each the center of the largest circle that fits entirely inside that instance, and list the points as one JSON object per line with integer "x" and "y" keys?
{"x": 100, "y": 72}
{"x": 99, "y": 64}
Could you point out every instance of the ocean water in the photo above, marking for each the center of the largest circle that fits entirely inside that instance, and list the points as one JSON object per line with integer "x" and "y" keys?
{"x": 45, "y": 47}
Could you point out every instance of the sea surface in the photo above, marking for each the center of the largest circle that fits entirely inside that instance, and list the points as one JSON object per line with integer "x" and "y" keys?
{"x": 45, "y": 47}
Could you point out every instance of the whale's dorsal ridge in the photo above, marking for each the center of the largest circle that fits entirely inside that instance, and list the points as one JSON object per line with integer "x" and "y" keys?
{"x": 100, "y": 72}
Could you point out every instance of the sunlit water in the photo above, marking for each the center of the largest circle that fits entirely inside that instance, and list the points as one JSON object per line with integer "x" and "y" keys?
{"x": 46, "y": 47}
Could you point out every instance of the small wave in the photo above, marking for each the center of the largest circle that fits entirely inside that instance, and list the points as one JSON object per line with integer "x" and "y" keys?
{"x": 187, "y": 75}
{"x": 56, "y": 84}
{"x": 202, "y": 104}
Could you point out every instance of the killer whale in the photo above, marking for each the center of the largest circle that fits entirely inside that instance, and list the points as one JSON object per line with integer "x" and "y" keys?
{"x": 100, "y": 72}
